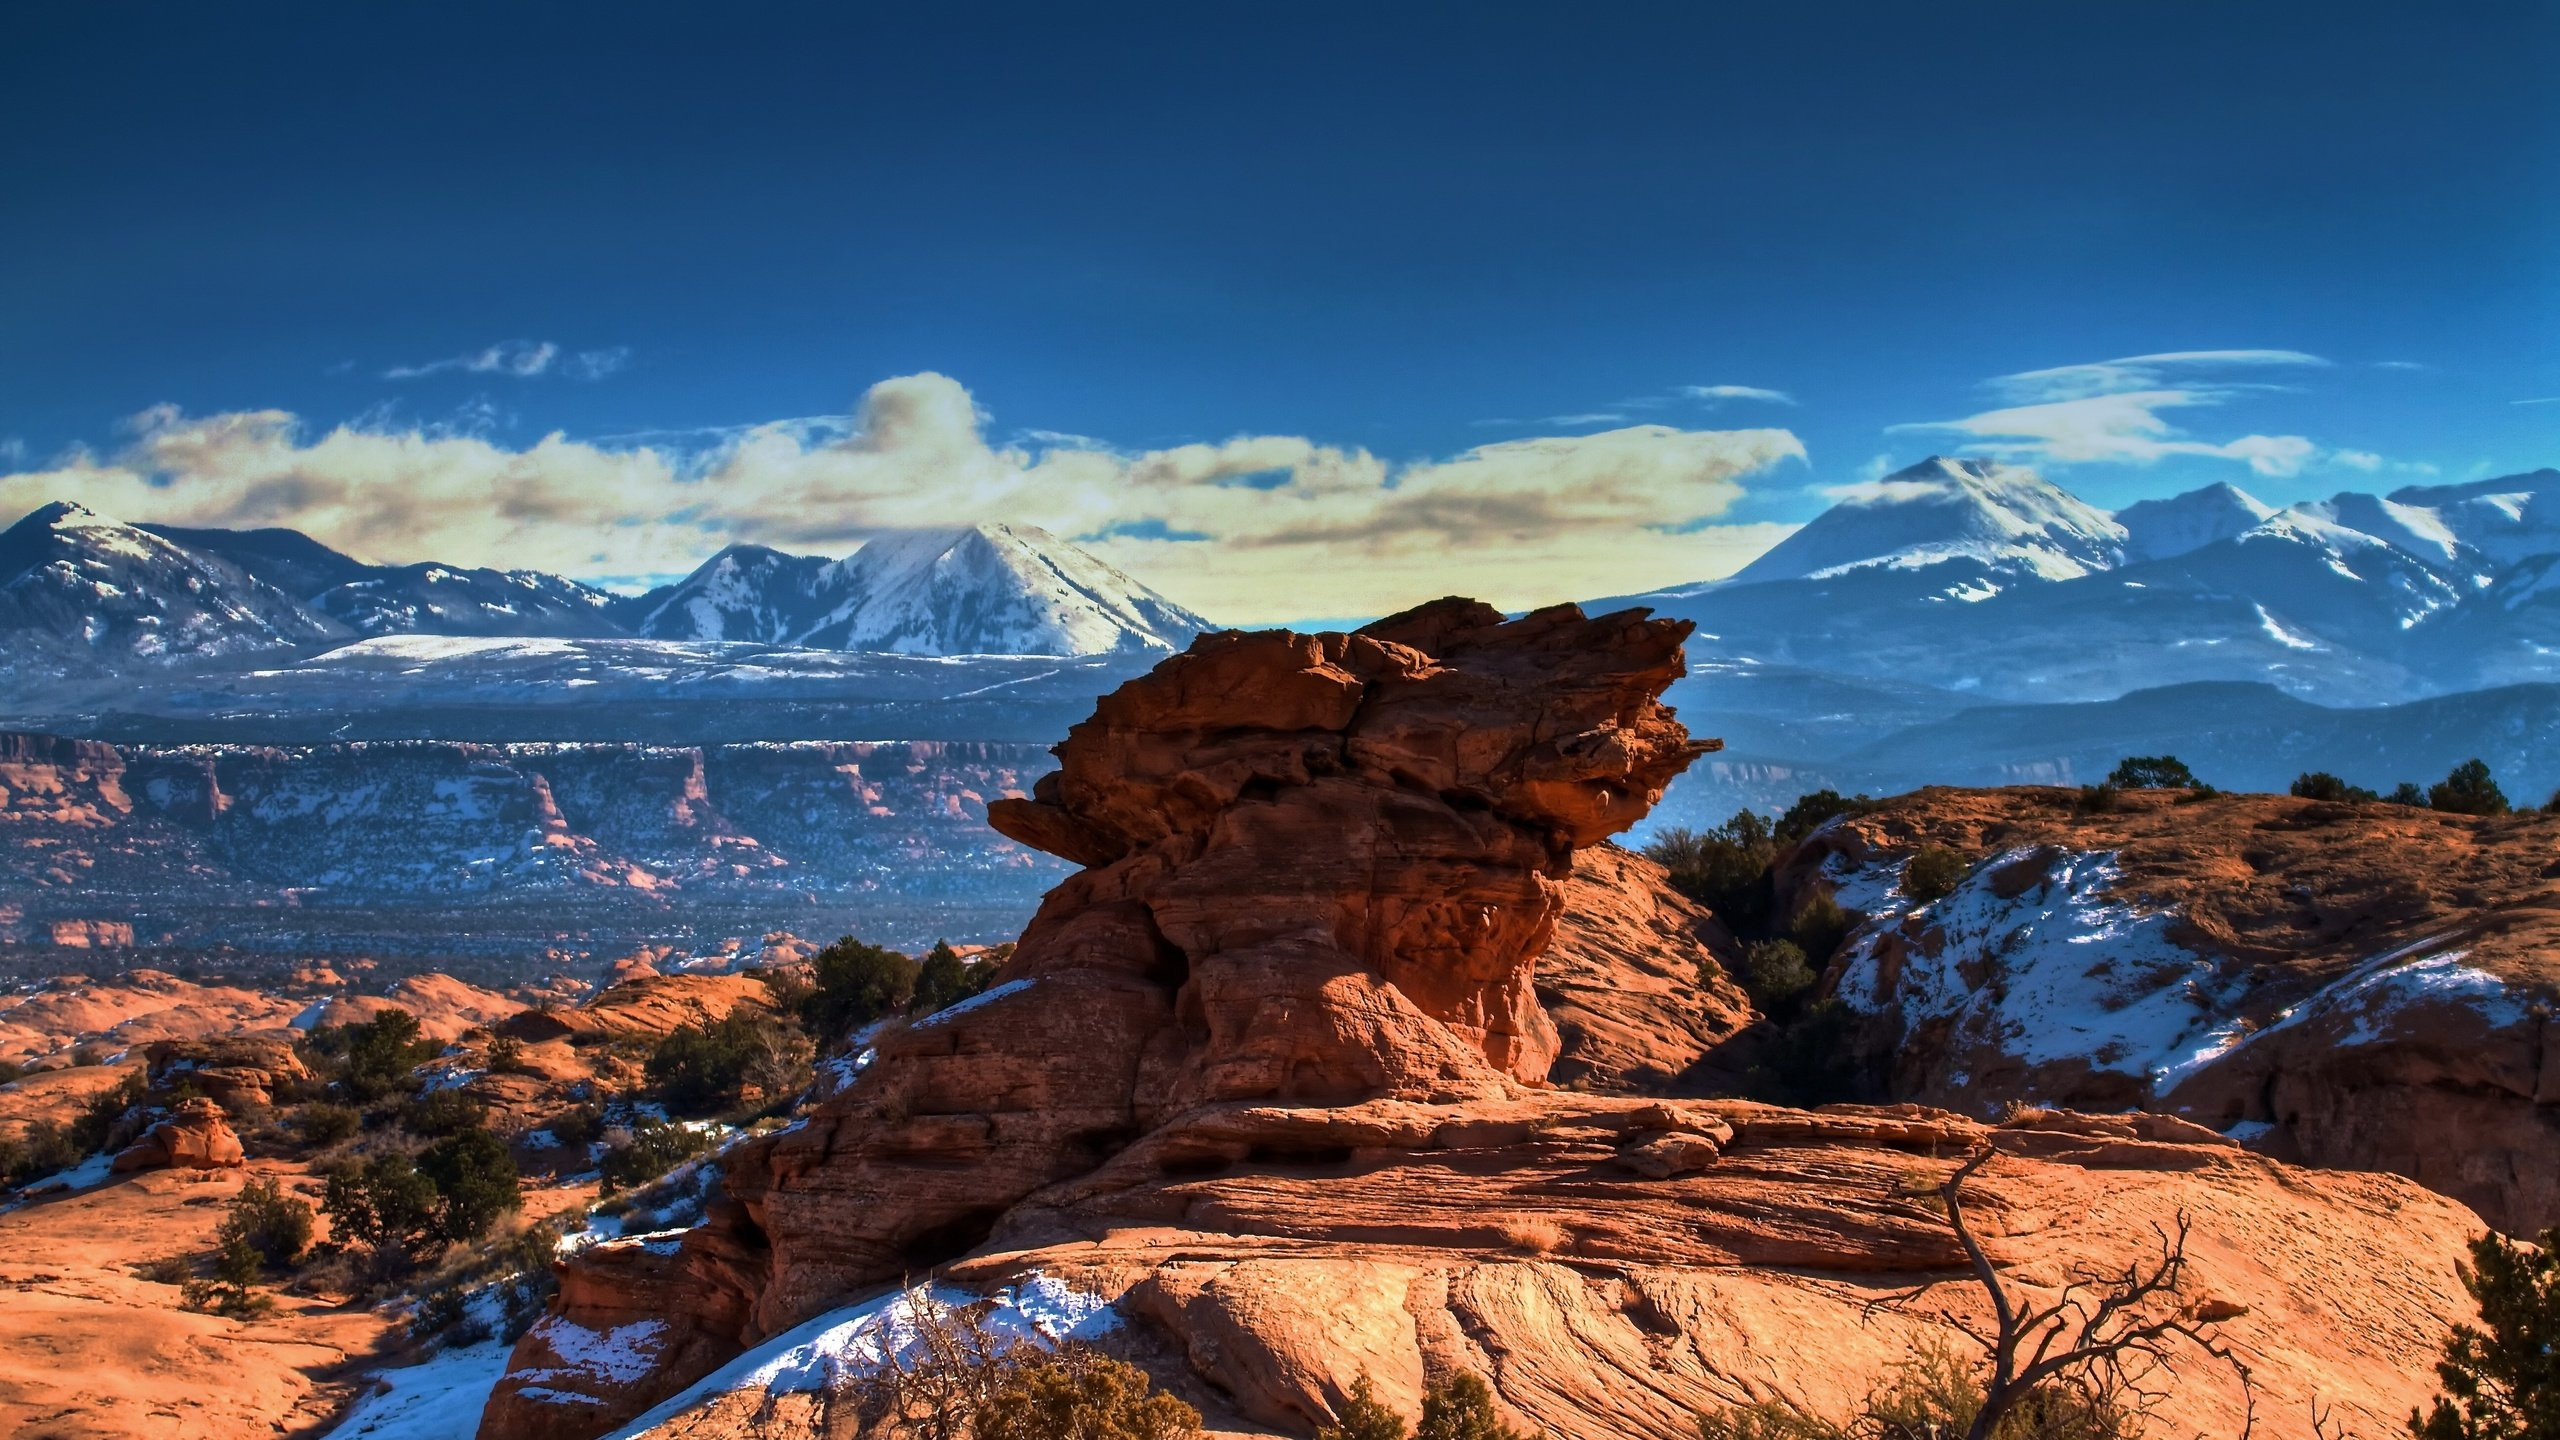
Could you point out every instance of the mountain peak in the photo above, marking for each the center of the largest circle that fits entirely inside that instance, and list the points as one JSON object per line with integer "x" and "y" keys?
{"x": 1949, "y": 508}
{"x": 991, "y": 588}
{"x": 2158, "y": 529}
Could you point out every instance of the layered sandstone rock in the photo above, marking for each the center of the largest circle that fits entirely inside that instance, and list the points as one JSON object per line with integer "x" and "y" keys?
{"x": 2355, "y": 985}
{"x": 240, "y": 1073}
{"x": 643, "y": 1007}
{"x": 1639, "y": 982}
{"x": 194, "y": 1136}
{"x": 1320, "y": 869}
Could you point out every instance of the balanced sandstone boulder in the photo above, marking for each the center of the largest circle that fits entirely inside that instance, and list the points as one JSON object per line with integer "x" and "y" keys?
{"x": 1320, "y": 871}
{"x": 194, "y": 1136}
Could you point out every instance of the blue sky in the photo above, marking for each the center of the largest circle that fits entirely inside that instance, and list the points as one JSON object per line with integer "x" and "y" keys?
{"x": 1404, "y": 232}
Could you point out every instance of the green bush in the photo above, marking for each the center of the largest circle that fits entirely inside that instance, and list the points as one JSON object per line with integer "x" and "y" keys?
{"x": 1811, "y": 812}
{"x": 1461, "y": 1408}
{"x": 275, "y": 1225}
{"x": 2408, "y": 793}
{"x": 1082, "y": 1397}
{"x": 1815, "y": 1059}
{"x": 1775, "y": 974}
{"x": 475, "y": 1182}
{"x": 2502, "y": 1376}
{"x": 2101, "y": 799}
{"x": 1364, "y": 1417}
{"x": 945, "y": 979}
{"x": 1725, "y": 869}
{"x": 855, "y": 984}
{"x": 2152, "y": 772}
{"x": 39, "y": 1150}
{"x": 381, "y": 1203}
{"x": 236, "y": 1268}
{"x": 2468, "y": 791}
{"x": 741, "y": 1057}
{"x": 1933, "y": 873}
{"x": 1818, "y": 927}
{"x": 654, "y": 1148}
{"x": 439, "y": 1113}
{"x": 1934, "y": 1396}
{"x": 323, "y": 1123}
{"x": 2321, "y": 785}
{"x": 371, "y": 1059}
{"x": 506, "y": 1057}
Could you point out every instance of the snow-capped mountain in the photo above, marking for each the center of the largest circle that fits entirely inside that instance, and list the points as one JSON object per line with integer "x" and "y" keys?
{"x": 445, "y": 600}
{"x": 744, "y": 593}
{"x": 2158, "y": 529}
{"x": 983, "y": 590}
{"x": 990, "y": 590}
{"x": 81, "y": 593}
{"x": 2506, "y": 519}
{"x": 2010, "y": 520}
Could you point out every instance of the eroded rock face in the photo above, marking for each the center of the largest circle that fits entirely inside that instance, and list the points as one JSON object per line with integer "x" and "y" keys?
{"x": 2354, "y": 985}
{"x": 193, "y": 1137}
{"x": 1320, "y": 869}
{"x": 1639, "y": 982}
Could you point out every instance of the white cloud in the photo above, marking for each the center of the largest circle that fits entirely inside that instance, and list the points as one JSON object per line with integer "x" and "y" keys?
{"x": 2538, "y": 400}
{"x": 1737, "y": 392}
{"x": 1296, "y": 527}
{"x": 1883, "y": 492}
{"x": 522, "y": 360}
{"x": 2400, "y": 365}
{"x": 2110, "y": 411}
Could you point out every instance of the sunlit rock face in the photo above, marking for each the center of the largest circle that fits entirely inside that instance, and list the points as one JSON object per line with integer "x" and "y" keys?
{"x": 1320, "y": 870}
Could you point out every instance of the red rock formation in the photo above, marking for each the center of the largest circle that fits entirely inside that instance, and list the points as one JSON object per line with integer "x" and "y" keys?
{"x": 1640, "y": 984}
{"x": 2367, "y": 981}
{"x": 1320, "y": 869}
{"x": 237, "y": 1072}
{"x": 193, "y": 1137}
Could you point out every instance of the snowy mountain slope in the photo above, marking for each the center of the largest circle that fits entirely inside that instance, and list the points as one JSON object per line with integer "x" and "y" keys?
{"x": 990, "y": 590}
{"x": 287, "y": 559}
{"x": 2011, "y": 520}
{"x": 82, "y": 594}
{"x": 2159, "y": 529}
{"x": 445, "y": 600}
{"x": 2508, "y": 519}
{"x": 744, "y": 593}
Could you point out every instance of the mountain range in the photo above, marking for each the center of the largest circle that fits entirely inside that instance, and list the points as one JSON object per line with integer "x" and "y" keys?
{"x": 1956, "y": 620}
{"x": 86, "y": 597}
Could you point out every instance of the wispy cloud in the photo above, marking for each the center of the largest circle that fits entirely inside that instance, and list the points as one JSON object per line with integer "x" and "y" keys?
{"x": 2538, "y": 400}
{"x": 2113, "y": 411}
{"x": 1520, "y": 521}
{"x": 2400, "y": 365}
{"x": 521, "y": 360}
{"x": 1737, "y": 392}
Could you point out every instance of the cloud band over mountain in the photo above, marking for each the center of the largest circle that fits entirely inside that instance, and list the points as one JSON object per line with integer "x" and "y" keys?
{"x": 1253, "y": 528}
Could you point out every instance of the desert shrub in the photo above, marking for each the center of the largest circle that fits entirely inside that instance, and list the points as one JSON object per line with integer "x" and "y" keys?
{"x": 1082, "y": 1396}
{"x": 855, "y": 984}
{"x": 1775, "y": 974}
{"x": 506, "y": 1057}
{"x": 475, "y": 1182}
{"x": 228, "y": 1291}
{"x": 741, "y": 1058}
{"x": 1365, "y": 1417}
{"x": 1461, "y": 1408}
{"x": 653, "y": 1148}
{"x": 37, "y": 1151}
{"x": 439, "y": 1113}
{"x": 1933, "y": 1396}
{"x": 1811, "y": 812}
{"x": 371, "y": 1059}
{"x": 579, "y": 1126}
{"x": 323, "y": 1123}
{"x": 1815, "y": 1059}
{"x": 2321, "y": 785}
{"x": 2408, "y": 792}
{"x": 1818, "y": 927}
{"x": 1725, "y": 869}
{"x": 2100, "y": 799}
{"x": 2501, "y": 1377}
{"x": 2151, "y": 772}
{"x": 1933, "y": 873}
{"x": 11, "y": 1071}
{"x": 2469, "y": 790}
{"x": 381, "y": 1203}
{"x": 165, "y": 1270}
{"x": 945, "y": 979}
{"x": 275, "y": 1225}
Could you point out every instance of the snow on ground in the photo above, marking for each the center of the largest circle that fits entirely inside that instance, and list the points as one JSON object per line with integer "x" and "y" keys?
{"x": 2061, "y": 971}
{"x": 438, "y": 1400}
{"x": 845, "y": 1344}
{"x": 2369, "y": 1002}
{"x": 978, "y": 1001}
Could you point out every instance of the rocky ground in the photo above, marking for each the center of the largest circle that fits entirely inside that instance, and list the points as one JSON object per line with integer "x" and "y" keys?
{"x": 1355, "y": 1048}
